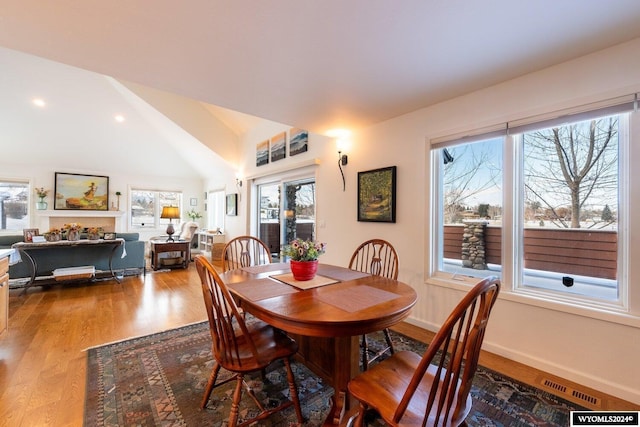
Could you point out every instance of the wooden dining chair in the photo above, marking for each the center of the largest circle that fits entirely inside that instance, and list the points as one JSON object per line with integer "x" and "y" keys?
{"x": 244, "y": 251}
{"x": 377, "y": 257}
{"x": 242, "y": 348}
{"x": 432, "y": 390}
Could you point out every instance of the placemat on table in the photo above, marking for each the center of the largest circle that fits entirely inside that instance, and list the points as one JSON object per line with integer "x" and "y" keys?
{"x": 264, "y": 268}
{"x": 340, "y": 273}
{"x": 356, "y": 298}
{"x": 259, "y": 289}
{"x": 317, "y": 281}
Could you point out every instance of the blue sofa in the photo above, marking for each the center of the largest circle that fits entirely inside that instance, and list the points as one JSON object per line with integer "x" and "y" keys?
{"x": 50, "y": 259}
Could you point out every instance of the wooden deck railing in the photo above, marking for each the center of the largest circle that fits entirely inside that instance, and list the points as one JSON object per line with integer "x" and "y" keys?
{"x": 270, "y": 234}
{"x": 591, "y": 253}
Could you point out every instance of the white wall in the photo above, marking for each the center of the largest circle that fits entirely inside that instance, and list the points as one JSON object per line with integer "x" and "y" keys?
{"x": 41, "y": 175}
{"x": 588, "y": 347}
{"x": 76, "y": 133}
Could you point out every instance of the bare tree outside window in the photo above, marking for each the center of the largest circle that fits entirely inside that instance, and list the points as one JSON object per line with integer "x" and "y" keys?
{"x": 571, "y": 173}
{"x": 566, "y": 192}
{"x": 473, "y": 179}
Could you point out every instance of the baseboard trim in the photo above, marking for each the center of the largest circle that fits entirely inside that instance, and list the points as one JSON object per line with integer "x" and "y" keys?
{"x": 598, "y": 385}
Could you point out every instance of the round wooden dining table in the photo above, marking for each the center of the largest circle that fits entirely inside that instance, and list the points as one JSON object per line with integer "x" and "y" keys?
{"x": 325, "y": 315}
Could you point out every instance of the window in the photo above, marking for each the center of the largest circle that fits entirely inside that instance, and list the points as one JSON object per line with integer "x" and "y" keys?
{"x": 146, "y": 207}
{"x": 215, "y": 210}
{"x": 470, "y": 207}
{"x": 14, "y": 205}
{"x": 570, "y": 199}
{"x": 561, "y": 184}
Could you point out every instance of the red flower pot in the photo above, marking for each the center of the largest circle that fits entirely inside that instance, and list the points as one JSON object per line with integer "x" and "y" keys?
{"x": 304, "y": 270}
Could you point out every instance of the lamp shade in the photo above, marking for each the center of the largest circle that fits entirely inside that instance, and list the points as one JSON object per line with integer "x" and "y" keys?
{"x": 170, "y": 212}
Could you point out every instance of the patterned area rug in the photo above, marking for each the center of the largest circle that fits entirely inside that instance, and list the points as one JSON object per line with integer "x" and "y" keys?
{"x": 159, "y": 380}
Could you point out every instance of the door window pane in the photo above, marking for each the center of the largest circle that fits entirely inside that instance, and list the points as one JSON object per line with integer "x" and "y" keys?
{"x": 269, "y": 216}
{"x": 287, "y": 211}
{"x": 300, "y": 210}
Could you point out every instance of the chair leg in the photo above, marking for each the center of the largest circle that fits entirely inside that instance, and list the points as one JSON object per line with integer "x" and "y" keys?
{"x": 210, "y": 385}
{"x": 387, "y": 336}
{"x": 359, "y": 421}
{"x": 366, "y": 360}
{"x": 293, "y": 391}
{"x": 235, "y": 405}
{"x": 365, "y": 353}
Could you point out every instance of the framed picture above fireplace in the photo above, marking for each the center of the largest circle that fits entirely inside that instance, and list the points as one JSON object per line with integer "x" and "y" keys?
{"x": 81, "y": 192}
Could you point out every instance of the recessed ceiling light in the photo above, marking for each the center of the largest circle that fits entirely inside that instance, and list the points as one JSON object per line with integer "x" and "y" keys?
{"x": 119, "y": 118}
{"x": 39, "y": 102}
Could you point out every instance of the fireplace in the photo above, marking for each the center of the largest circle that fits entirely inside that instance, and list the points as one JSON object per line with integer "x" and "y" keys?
{"x": 109, "y": 220}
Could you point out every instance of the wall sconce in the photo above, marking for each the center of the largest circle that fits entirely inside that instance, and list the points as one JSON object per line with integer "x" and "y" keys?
{"x": 341, "y": 136}
{"x": 238, "y": 182}
{"x": 342, "y": 161}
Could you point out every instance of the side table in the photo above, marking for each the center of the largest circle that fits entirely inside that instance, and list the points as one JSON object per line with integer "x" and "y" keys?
{"x": 159, "y": 247}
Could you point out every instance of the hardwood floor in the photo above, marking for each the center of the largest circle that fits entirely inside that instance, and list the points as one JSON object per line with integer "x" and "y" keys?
{"x": 43, "y": 360}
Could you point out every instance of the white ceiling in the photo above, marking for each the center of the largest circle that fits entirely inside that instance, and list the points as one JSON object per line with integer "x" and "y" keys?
{"x": 315, "y": 64}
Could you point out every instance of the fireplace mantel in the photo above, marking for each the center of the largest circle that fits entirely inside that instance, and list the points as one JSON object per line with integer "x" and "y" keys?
{"x": 106, "y": 219}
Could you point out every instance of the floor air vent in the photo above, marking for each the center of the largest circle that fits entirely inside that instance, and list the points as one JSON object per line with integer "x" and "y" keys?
{"x": 573, "y": 394}
{"x": 586, "y": 397}
{"x": 555, "y": 386}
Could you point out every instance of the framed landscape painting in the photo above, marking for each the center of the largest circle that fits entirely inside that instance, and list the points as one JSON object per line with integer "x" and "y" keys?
{"x": 377, "y": 195}
{"x": 81, "y": 192}
{"x": 262, "y": 153}
{"x": 278, "y": 146}
{"x": 298, "y": 141}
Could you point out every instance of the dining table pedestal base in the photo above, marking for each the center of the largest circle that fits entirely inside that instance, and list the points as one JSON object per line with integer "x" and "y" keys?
{"x": 326, "y": 357}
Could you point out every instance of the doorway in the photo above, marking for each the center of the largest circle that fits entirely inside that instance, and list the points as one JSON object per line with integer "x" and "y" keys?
{"x": 287, "y": 210}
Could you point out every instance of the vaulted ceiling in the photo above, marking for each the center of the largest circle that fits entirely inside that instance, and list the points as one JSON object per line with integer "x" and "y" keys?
{"x": 315, "y": 64}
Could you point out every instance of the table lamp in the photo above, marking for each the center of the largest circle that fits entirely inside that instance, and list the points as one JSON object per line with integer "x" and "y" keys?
{"x": 171, "y": 212}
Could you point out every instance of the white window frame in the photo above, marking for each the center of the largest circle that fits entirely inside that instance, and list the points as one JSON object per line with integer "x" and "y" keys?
{"x": 216, "y": 204}
{"x": 621, "y": 301}
{"x": 512, "y": 268}
{"x": 304, "y": 172}
{"x": 30, "y": 204}
{"x": 159, "y": 223}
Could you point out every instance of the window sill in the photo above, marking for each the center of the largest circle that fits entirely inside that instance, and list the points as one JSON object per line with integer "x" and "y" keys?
{"x": 612, "y": 313}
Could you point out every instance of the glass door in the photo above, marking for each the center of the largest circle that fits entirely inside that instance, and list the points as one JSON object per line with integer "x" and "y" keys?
{"x": 269, "y": 217}
{"x": 287, "y": 210}
{"x": 299, "y": 210}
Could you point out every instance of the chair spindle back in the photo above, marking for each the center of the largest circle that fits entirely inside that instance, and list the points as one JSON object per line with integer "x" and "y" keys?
{"x": 377, "y": 257}
{"x": 452, "y": 356}
{"x": 245, "y": 251}
{"x": 226, "y": 322}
